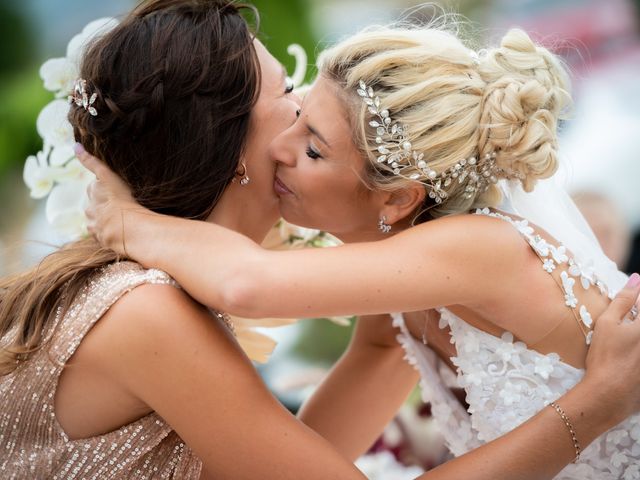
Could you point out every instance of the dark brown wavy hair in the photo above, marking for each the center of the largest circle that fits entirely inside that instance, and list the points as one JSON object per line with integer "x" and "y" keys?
{"x": 176, "y": 81}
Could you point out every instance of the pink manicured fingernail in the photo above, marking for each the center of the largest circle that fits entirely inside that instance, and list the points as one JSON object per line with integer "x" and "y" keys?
{"x": 634, "y": 281}
{"x": 78, "y": 149}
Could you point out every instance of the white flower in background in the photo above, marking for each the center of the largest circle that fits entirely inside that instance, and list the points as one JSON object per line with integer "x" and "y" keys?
{"x": 384, "y": 466}
{"x": 61, "y": 155}
{"x": 74, "y": 172}
{"x": 78, "y": 44}
{"x": 65, "y": 208}
{"x": 55, "y": 171}
{"x": 296, "y": 236}
{"x": 300, "y": 70}
{"x": 58, "y": 75}
{"x": 53, "y": 125}
{"x": 38, "y": 175}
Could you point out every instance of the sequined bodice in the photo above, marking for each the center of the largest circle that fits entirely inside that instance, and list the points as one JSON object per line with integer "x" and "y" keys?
{"x": 33, "y": 444}
{"x": 507, "y": 383}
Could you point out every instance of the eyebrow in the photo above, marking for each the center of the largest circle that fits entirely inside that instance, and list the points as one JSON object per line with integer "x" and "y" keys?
{"x": 315, "y": 132}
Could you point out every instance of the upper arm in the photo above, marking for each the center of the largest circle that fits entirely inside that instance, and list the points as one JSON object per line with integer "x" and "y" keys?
{"x": 440, "y": 263}
{"x": 364, "y": 390}
{"x": 174, "y": 356}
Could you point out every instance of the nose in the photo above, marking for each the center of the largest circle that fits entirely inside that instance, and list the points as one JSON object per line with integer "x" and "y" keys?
{"x": 281, "y": 150}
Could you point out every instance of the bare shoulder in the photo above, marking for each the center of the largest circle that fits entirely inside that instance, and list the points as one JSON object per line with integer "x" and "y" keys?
{"x": 469, "y": 235}
{"x": 155, "y": 327}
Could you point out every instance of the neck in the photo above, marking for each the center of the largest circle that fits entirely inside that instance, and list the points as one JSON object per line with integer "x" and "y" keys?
{"x": 370, "y": 235}
{"x": 239, "y": 210}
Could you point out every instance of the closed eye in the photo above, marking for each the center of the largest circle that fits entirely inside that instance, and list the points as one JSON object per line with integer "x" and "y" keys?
{"x": 311, "y": 153}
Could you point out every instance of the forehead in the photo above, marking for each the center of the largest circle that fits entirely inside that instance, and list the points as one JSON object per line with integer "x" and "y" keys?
{"x": 270, "y": 68}
{"x": 326, "y": 111}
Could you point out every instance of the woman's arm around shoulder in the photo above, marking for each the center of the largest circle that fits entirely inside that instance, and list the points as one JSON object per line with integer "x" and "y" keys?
{"x": 443, "y": 262}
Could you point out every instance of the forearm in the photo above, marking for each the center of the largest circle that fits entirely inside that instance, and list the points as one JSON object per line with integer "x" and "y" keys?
{"x": 197, "y": 255}
{"x": 359, "y": 397}
{"x": 539, "y": 448}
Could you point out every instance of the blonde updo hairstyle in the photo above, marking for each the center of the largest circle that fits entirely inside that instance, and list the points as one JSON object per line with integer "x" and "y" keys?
{"x": 455, "y": 104}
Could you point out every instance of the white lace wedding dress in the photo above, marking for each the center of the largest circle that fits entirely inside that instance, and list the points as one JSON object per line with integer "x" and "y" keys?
{"x": 506, "y": 383}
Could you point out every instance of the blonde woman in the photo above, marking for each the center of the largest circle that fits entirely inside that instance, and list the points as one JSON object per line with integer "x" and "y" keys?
{"x": 409, "y": 126}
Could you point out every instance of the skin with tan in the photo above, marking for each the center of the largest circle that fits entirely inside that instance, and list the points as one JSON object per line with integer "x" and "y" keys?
{"x": 378, "y": 279}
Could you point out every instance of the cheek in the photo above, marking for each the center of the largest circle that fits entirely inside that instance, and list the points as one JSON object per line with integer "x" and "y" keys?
{"x": 282, "y": 114}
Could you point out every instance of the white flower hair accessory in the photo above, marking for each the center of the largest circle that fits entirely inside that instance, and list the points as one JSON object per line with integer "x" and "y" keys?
{"x": 54, "y": 172}
{"x": 395, "y": 150}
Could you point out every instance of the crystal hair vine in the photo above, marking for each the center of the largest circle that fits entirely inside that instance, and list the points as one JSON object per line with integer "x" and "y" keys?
{"x": 395, "y": 150}
{"x": 81, "y": 97}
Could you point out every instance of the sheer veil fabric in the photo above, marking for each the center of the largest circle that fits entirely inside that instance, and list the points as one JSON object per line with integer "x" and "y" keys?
{"x": 550, "y": 207}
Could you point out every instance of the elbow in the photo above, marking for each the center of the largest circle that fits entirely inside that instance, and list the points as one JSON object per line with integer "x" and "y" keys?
{"x": 239, "y": 295}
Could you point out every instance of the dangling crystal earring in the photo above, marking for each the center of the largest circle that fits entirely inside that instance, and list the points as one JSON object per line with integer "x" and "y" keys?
{"x": 244, "y": 178}
{"x": 382, "y": 225}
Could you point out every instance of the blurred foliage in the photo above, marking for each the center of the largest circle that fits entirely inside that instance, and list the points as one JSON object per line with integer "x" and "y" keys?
{"x": 285, "y": 22}
{"x": 21, "y": 92}
{"x": 321, "y": 341}
{"x": 22, "y": 96}
{"x": 16, "y": 38}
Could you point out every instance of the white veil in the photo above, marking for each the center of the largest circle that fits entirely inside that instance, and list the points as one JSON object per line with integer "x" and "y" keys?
{"x": 550, "y": 207}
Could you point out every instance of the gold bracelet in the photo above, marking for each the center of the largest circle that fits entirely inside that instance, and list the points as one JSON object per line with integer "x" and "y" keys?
{"x": 569, "y": 426}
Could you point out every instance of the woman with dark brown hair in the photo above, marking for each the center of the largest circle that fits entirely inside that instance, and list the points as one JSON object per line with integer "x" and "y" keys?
{"x": 186, "y": 102}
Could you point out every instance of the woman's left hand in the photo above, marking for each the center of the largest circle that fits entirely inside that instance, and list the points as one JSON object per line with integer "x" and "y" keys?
{"x": 110, "y": 201}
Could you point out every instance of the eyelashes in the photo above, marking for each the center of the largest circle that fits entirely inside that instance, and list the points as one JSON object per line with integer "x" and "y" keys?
{"x": 311, "y": 153}
{"x": 289, "y": 86}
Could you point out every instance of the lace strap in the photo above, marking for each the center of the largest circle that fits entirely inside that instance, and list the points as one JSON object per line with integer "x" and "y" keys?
{"x": 552, "y": 257}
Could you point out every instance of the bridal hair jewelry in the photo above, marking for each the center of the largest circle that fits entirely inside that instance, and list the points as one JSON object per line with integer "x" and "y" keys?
{"x": 80, "y": 96}
{"x": 244, "y": 178}
{"x": 383, "y": 226}
{"x": 569, "y": 426}
{"x": 394, "y": 150}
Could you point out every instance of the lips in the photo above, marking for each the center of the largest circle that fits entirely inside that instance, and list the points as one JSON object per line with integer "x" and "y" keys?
{"x": 281, "y": 188}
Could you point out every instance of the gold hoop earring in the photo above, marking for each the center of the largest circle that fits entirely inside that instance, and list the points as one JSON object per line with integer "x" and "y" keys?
{"x": 242, "y": 174}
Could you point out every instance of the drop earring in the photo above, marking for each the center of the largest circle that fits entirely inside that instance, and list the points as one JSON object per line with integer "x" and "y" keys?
{"x": 382, "y": 225}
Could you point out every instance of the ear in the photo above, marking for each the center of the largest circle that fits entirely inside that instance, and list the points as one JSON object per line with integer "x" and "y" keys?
{"x": 402, "y": 203}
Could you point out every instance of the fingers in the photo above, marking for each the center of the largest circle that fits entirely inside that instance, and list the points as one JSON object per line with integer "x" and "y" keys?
{"x": 90, "y": 162}
{"x": 624, "y": 300}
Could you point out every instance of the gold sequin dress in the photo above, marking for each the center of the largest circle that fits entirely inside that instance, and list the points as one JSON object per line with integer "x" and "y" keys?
{"x": 32, "y": 442}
